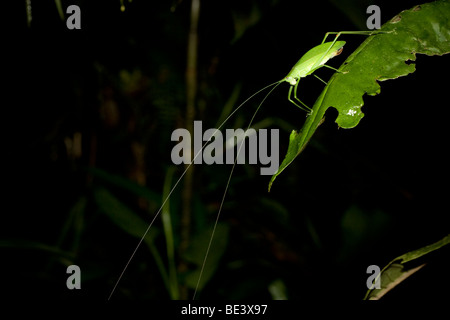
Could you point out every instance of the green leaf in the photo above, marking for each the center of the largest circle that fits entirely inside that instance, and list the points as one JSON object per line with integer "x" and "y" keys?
{"x": 35, "y": 245}
{"x": 278, "y": 290}
{"x": 74, "y": 221}
{"x": 126, "y": 184}
{"x": 127, "y": 220}
{"x": 396, "y": 271}
{"x": 168, "y": 232}
{"x": 424, "y": 29}
{"x": 297, "y": 143}
{"x": 196, "y": 254}
{"x": 60, "y": 9}
{"x": 120, "y": 214}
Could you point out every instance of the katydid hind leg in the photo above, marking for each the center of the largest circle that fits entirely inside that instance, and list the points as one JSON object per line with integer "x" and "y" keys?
{"x": 335, "y": 38}
{"x": 329, "y": 67}
{"x": 326, "y": 83}
{"x": 320, "y": 79}
{"x": 320, "y": 61}
{"x": 338, "y": 33}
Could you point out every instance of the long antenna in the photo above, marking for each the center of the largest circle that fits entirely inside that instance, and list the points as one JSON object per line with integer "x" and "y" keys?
{"x": 226, "y": 189}
{"x": 181, "y": 177}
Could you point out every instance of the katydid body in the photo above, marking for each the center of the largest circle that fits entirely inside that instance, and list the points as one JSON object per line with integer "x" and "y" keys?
{"x": 308, "y": 63}
{"x": 315, "y": 59}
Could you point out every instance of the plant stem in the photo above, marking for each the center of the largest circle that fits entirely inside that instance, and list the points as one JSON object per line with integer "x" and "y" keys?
{"x": 191, "y": 93}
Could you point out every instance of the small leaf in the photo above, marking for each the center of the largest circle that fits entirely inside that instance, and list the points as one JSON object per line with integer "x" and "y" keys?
{"x": 395, "y": 272}
{"x": 278, "y": 290}
{"x": 390, "y": 278}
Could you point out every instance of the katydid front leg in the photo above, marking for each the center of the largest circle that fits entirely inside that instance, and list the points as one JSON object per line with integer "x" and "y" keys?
{"x": 306, "y": 108}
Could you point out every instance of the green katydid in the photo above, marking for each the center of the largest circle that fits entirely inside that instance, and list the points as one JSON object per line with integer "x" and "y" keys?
{"x": 315, "y": 59}
{"x": 312, "y": 60}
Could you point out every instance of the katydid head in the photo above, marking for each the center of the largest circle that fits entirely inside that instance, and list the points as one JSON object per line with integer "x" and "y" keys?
{"x": 339, "y": 51}
{"x": 334, "y": 48}
{"x": 292, "y": 81}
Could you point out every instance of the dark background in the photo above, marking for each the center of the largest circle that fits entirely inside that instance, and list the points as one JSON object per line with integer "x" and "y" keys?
{"x": 354, "y": 197}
